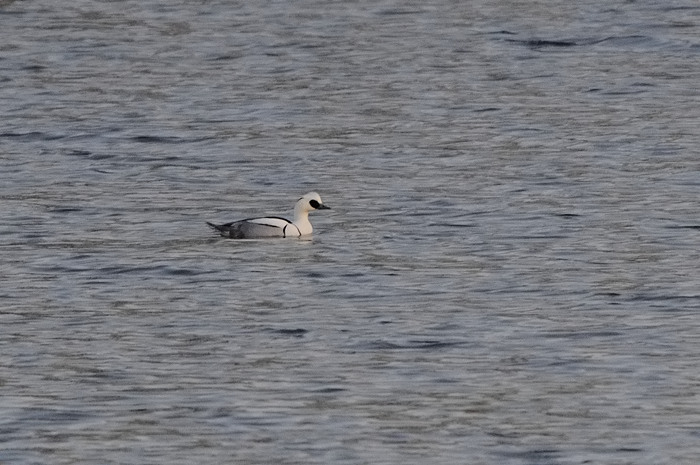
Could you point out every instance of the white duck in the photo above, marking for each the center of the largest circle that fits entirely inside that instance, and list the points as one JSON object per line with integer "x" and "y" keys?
{"x": 274, "y": 226}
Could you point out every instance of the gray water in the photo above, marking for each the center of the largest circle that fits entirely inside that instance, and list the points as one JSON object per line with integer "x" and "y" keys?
{"x": 509, "y": 274}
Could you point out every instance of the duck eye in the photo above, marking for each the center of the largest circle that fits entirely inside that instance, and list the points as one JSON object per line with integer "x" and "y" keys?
{"x": 314, "y": 203}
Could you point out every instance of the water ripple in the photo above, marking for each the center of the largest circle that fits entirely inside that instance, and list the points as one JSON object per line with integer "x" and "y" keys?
{"x": 508, "y": 274}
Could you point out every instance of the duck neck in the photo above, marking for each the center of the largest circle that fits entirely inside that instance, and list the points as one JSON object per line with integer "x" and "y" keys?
{"x": 301, "y": 221}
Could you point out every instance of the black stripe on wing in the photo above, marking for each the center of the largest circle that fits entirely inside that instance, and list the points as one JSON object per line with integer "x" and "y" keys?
{"x": 256, "y": 221}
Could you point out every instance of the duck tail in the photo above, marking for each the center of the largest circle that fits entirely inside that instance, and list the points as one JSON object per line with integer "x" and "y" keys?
{"x": 216, "y": 227}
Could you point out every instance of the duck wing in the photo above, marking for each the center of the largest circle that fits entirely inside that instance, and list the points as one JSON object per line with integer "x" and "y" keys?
{"x": 254, "y": 228}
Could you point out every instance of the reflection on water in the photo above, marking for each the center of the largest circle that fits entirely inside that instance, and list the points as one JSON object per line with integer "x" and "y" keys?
{"x": 508, "y": 274}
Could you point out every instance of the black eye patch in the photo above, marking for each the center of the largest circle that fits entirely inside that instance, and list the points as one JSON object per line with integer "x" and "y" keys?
{"x": 314, "y": 203}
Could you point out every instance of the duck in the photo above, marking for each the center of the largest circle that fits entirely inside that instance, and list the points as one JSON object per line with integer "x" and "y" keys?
{"x": 274, "y": 226}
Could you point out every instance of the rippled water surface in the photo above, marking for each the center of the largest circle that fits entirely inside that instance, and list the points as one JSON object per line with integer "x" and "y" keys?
{"x": 509, "y": 274}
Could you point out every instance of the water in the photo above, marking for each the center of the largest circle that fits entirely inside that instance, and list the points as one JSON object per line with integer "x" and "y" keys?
{"x": 509, "y": 274}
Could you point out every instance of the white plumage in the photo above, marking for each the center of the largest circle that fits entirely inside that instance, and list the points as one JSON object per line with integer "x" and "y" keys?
{"x": 273, "y": 226}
